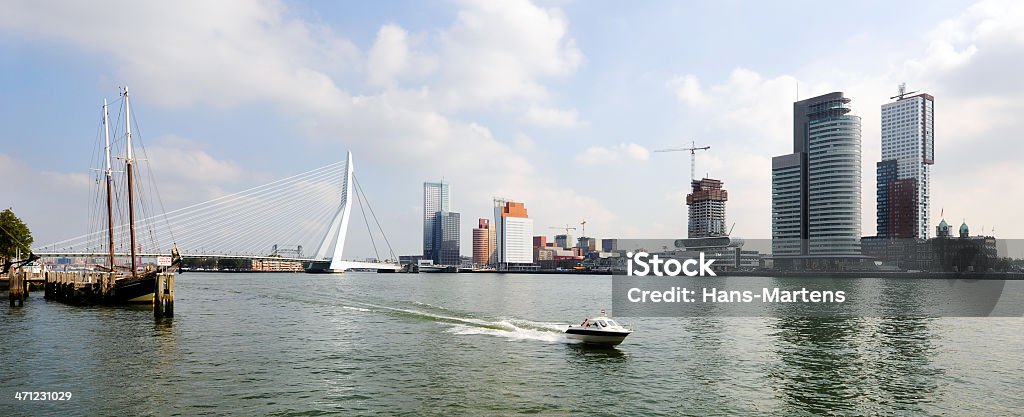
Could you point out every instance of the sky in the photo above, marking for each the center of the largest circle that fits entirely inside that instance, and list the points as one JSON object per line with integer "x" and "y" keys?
{"x": 559, "y": 104}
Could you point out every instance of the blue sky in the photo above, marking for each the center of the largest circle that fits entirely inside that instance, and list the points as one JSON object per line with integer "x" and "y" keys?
{"x": 558, "y": 104}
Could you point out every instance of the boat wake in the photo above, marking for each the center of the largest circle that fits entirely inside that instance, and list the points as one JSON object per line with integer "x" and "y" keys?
{"x": 507, "y": 329}
{"x": 467, "y": 324}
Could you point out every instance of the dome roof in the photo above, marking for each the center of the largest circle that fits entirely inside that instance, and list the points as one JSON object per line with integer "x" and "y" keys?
{"x": 963, "y": 228}
{"x": 943, "y": 225}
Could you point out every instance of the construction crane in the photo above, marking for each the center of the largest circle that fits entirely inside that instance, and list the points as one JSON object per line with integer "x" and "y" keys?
{"x": 566, "y": 228}
{"x": 902, "y": 91}
{"x": 693, "y": 157}
{"x": 583, "y": 232}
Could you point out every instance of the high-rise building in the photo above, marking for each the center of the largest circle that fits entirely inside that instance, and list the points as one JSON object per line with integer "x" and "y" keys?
{"x": 435, "y": 200}
{"x": 816, "y": 190}
{"x": 707, "y": 208}
{"x": 514, "y": 235}
{"x": 908, "y": 151}
{"x": 483, "y": 242}
{"x": 446, "y": 239}
{"x": 564, "y": 241}
{"x": 440, "y": 225}
{"x": 492, "y": 234}
{"x": 540, "y": 241}
{"x": 586, "y": 244}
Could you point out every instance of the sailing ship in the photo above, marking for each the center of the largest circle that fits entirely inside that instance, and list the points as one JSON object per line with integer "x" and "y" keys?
{"x": 132, "y": 285}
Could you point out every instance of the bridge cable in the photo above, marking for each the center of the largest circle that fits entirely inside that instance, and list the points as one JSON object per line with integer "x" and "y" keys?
{"x": 368, "y": 231}
{"x": 359, "y": 189}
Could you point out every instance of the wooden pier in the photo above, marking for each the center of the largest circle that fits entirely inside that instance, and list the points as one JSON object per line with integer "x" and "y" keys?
{"x": 86, "y": 288}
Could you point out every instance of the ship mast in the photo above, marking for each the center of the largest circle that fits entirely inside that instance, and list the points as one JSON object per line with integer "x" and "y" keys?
{"x": 110, "y": 180}
{"x": 128, "y": 166}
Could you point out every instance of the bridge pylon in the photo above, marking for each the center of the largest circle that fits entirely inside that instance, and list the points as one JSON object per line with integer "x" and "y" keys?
{"x": 336, "y": 233}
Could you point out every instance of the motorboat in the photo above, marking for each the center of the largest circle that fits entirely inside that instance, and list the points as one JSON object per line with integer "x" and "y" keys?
{"x": 598, "y": 331}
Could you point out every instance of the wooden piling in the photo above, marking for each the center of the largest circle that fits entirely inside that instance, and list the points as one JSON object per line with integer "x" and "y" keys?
{"x": 18, "y": 288}
{"x": 169, "y": 298}
{"x": 48, "y": 285}
{"x": 12, "y": 287}
{"x": 158, "y": 297}
{"x": 163, "y": 297}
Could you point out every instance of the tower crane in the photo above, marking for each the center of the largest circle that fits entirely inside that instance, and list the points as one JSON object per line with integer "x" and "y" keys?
{"x": 566, "y": 228}
{"x": 583, "y": 232}
{"x": 693, "y": 157}
{"x": 901, "y": 91}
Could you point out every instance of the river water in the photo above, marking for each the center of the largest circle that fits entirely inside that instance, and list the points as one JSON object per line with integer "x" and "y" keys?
{"x": 486, "y": 344}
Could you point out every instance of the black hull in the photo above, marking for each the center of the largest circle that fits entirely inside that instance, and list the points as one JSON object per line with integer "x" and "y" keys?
{"x": 585, "y": 332}
{"x": 130, "y": 291}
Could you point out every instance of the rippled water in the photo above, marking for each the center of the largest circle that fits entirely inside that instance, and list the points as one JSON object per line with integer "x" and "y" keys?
{"x": 479, "y": 344}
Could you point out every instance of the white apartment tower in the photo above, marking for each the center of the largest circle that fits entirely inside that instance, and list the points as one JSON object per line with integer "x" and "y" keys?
{"x": 514, "y": 235}
{"x": 908, "y": 151}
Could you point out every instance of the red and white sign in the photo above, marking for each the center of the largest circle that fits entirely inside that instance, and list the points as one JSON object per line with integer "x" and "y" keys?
{"x": 163, "y": 261}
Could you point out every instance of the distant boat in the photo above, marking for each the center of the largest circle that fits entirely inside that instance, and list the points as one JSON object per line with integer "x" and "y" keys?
{"x": 130, "y": 286}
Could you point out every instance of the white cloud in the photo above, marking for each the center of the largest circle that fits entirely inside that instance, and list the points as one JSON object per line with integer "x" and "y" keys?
{"x": 188, "y": 173}
{"x": 622, "y": 152}
{"x": 500, "y": 50}
{"x": 42, "y": 199}
{"x": 191, "y": 52}
{"x": 392, "y": 58}
{"x": 553, "y": 118}
{"x": 687, "y": 89}
{"x": 524, "y": 142}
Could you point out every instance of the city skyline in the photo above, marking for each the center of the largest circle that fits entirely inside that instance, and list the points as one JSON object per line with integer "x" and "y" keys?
{"x": 563, "y": 119}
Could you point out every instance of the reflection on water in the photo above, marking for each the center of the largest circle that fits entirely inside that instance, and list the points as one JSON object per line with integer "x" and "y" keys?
{"x": 821, "y": 367}
{"x": 908, "y": 378}
{"x": 854, "y": 364}
{"x": 589, "y": 354}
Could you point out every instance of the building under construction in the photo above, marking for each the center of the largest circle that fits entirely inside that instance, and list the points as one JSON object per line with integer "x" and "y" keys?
{"x": 707, "y": 208}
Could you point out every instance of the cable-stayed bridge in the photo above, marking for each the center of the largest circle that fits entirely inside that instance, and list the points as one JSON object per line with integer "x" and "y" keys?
{"x": 311, "y": 209}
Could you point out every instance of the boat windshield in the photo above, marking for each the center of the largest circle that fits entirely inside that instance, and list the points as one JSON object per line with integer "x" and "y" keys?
{"x": 612, "y": 323}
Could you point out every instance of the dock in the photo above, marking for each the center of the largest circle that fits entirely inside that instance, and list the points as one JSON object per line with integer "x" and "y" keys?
{"x": 85, "y": 288}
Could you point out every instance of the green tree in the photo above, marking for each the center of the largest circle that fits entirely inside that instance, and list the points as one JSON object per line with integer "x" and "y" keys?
{"x": 14, "y": 236}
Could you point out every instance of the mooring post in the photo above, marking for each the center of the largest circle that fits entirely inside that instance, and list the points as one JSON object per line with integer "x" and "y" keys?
{"x": 158, "y": 297}
{"x": 76, "y": 277}
{"x": 12, "y": 287}
{"x": 47, "y": 287}
{"x": 24, "y": 287}
{"x": 17, "y": 288}
{"x": 111, "y": 279}
{"x": 170, "y": 295}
